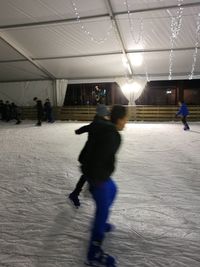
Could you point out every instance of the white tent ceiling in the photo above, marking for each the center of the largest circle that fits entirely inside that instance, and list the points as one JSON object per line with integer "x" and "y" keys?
{"x": 91, "y": 39}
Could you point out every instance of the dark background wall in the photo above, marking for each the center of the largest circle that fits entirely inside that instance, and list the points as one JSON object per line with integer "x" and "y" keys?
{"x": 155, "y": 93}
{"x": 170, "y": 92}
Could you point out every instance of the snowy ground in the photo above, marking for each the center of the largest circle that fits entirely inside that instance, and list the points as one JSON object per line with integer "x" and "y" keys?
{"x": 157, "y": 211}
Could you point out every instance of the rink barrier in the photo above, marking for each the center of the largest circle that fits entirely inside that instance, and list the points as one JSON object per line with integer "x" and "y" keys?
{"x": 136, "y": 113}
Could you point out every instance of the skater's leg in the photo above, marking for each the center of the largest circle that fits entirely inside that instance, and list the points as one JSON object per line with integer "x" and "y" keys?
{"x": 102, "y": 197}
{"x": 113, "y": 191}
{"x": 112, "y": 194}
{"x": 184, "y": 121}
{"x": 82, "y": 180}
{"x": 74, "y": 195}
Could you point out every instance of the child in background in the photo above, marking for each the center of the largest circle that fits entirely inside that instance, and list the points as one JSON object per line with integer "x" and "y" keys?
{"x": 184, "y": 112}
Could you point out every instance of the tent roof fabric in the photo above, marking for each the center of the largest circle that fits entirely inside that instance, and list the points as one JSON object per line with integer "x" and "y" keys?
{"x": 95, "y": 39}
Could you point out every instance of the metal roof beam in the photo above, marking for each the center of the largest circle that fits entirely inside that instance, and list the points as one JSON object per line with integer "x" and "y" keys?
{"x": 101, "y": 54}
{"x": 158, "y": 8}
{"x": 61, "y": 21}
{"x": 112, "y": 17}
{"x": 51, "y": 22}
{"x": 22, "y": 53}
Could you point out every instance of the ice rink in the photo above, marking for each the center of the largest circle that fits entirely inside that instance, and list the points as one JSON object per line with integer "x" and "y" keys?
{"x": 156, "y": 213}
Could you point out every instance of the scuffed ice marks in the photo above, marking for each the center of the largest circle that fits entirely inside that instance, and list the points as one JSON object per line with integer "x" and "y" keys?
{"x": 156, "y": 213}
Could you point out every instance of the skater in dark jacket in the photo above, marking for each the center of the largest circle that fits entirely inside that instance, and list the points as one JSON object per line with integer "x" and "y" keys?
{"x": 98, "y": 162}
{"x": 101, "y": 115}
{"x": 184, "y": 112}
{"x": 40, "y": 111}
{"x": 48, "y": 111}
{"x": 1, "y": 109}
{"x": 7, "y": 111}
{"x": 15, "y": 113}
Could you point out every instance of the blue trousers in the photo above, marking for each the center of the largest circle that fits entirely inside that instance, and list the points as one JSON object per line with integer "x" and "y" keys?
{"x": 103, "y": 195}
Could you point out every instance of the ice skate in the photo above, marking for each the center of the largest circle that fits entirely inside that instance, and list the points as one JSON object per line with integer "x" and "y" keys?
{"x": 75, "y": 200}
{"x": 97, "y": 258}
{"x": 109, "y": 227}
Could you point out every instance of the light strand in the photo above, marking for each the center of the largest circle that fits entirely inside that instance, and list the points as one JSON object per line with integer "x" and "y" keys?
{"x": 176, "y": 23}
{"x": 86, "y": 31}
{"x": 196, "y": 48}
{"x": 131, "y": 24}
{"x": 146, "y": 69}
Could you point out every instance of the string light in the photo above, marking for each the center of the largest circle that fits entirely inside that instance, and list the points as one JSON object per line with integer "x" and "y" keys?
{"x": 196, "y": 48}
{"x": 140, "y": 34}
{"x": 176, "y": 23}
{"x": 146, "y": 70}
{"x": 86, "y": 31}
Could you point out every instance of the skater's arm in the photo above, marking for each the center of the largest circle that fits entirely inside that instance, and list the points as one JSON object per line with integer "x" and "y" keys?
{"x": 179, "y": 111}
{"x": 83, "y": 129}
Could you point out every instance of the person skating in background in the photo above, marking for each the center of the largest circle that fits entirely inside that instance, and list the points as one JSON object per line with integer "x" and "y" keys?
{"x": 1, "y": 110}
{"x": 48, "y": 111}
{"x": 15, "y": 113}
{"x": 40, "y": 111}
{"x": 102, "y": 114}
{"x": 7, "y": 111}
{"x": 183, "y": 112}
{"x": 97, "y": 163}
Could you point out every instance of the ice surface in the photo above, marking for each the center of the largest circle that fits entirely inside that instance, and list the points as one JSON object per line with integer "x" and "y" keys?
{"x": 156, "y": 214}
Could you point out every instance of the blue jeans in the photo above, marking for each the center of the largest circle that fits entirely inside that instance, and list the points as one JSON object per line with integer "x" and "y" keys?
{"x": 103, "y": 195}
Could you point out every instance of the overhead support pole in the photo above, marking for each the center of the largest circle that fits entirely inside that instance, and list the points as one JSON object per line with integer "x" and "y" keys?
{"x": 61, "y": 21}
{"x": 158, "y": 8}
{"x": 51, "y": 22}
{"x": 102, "y": 54}
{"x": 112, "y": 17}
{"x": 22, "y": 53}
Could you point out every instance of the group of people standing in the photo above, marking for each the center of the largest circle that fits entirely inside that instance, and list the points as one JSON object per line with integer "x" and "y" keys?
{"x": 9, "y": 111}
{"x": 43, "y": 112}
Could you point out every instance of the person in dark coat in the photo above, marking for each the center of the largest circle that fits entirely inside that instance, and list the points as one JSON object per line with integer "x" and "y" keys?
{"x": 183, "y": 112}
{"x": 102, "y": 113}
{"x": 1, "y": 109}
{"x": 97, "y": 163}
{"x": 48, "y": 111}
{"x": 15, "y": 113}
{"x": 40, "y": 111}
{"x": 7, "y": 111}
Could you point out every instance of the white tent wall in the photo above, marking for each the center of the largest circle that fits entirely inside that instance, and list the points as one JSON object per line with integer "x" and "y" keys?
{"x": 132, "y": 94}
{"x": 22, "y": 93}
{"x": 61, "y": 87}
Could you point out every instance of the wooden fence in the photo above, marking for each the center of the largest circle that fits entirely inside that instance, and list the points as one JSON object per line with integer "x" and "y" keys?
{"x": 136, "y": 113}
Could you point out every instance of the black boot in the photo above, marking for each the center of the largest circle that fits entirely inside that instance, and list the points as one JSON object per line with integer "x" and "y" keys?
{"x": 97, "y": 257}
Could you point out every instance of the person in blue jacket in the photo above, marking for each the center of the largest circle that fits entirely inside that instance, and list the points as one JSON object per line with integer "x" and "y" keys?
{"x": 183, "y": 112}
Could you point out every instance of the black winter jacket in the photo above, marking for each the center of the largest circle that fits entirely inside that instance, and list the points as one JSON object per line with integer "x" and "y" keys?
{"x": 98, "y": 155}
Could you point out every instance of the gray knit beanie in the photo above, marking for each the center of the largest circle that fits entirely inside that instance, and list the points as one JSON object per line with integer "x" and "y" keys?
{"x": 102, "y": 110}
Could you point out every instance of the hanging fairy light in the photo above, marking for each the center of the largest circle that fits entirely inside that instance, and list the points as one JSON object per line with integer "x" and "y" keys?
{"x": 132, "y": 27}
{"x": 196, "y": 48}
{"x": 176, "y": 23}
{"x": 146, "y": 70}
{"x": 139, "y": 39}
{"x": 86, "y": 31}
